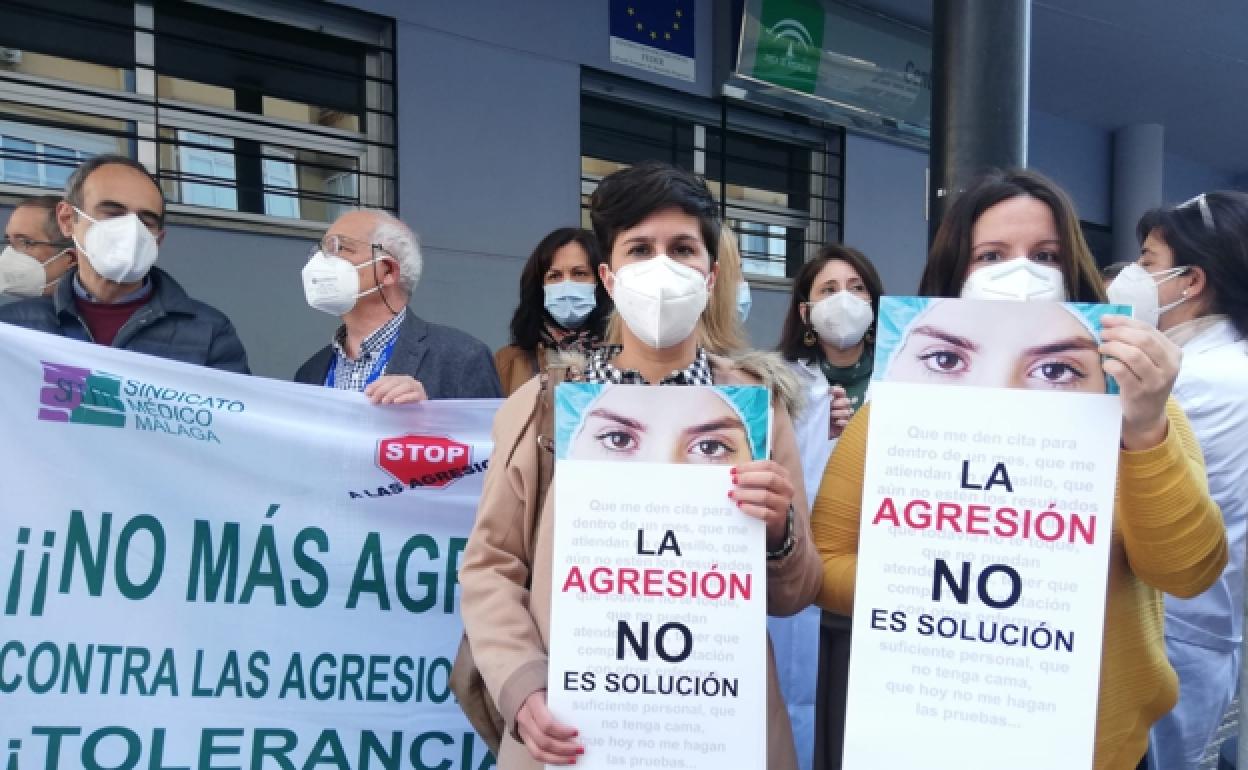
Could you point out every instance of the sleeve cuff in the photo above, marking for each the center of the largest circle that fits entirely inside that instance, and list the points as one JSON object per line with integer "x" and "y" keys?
{"x": 1157, "y": 461}
{"x": 525, "y": 681}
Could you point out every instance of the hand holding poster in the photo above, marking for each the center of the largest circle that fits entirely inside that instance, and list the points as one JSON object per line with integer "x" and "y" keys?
{"x": 658, "y": 635}
{"x": 200, "y": 569}
{"x": 987, "y": 518}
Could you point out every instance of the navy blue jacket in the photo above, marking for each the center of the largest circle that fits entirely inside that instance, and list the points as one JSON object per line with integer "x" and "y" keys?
{"x": 449, "y": 363}
{"x": 171, "y": 325}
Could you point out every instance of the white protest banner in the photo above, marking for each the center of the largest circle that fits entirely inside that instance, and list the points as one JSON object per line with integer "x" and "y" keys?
{"x": 204, "y": 570}
{"x": 983, "y": 554}
{"x": 658, "y": 621}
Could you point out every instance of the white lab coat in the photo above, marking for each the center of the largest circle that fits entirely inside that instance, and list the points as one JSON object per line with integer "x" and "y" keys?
{"x": 1204, "y": 634}
{"x": 812, "y": 425}
{"x": 796, "y": 638}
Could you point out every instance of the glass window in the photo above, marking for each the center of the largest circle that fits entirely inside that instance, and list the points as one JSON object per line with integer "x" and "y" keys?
{"x": 281, "y": 174}
{"x": 206, "y": 170}
{"x": 27, "y": 156}
{"x": 20, "y": 166}
{"x": 59, "y": 164}
{"x": 232, "y": 110}
{"x": 36, "y": 32}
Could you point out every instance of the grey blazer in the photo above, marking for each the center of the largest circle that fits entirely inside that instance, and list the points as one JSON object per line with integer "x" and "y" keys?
{"x": 448, "y": 362}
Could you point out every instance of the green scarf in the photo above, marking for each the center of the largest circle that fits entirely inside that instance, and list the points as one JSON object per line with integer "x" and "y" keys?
{"x": 853, "y": 378}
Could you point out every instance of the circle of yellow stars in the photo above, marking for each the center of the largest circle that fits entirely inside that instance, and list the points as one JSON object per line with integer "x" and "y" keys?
{"x": 654, "y": 34}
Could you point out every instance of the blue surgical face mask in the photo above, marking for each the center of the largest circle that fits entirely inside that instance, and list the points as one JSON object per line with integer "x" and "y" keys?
{"x": 570, "y": 302}
{"x": 743, "y": 301}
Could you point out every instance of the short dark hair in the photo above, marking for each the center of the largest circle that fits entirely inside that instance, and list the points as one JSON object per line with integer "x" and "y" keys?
{"x": 626, "y": 197}
{"x": 793, "y": 338}
{"x": 1221, "y": 251}
{"x": 51, "y": 230}
{"x": 73, "y": 187}
{"x": 530, "y": 319}
{"x": 949, "y": 260}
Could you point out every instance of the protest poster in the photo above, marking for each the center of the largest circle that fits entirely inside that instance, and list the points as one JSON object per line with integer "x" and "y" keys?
{"x": 987, "y": 513}
{"x": 200, "y": 569}
{"x": 657, "y": 635}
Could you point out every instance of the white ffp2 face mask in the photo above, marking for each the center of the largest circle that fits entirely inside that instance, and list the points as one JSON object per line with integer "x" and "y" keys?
{"x": 332, "y": 284}
{"x": 660, "y": 300}
{"x": 1018, "y": 279}
{"x": 1137, "y": 287}
{"x": 842, "y": 319}
{"x": 120, "y": 249}
{"x": 24, "y": 276}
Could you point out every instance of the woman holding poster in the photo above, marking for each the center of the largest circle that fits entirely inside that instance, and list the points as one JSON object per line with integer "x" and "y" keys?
{"x": 1192, "y": 276}
{"x": 1015, "y": 236}
{"x": 659, "y": 228}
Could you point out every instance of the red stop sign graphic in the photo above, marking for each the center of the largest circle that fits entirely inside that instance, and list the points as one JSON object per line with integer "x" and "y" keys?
{"x": 427, "y": 461}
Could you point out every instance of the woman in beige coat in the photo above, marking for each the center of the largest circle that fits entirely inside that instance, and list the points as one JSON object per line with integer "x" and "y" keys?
{"x": 658, "y": 226}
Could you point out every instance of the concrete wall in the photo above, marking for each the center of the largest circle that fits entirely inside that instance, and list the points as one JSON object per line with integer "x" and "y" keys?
{"x": 1078, "y": 157}
{"x": 1185, "y": 179}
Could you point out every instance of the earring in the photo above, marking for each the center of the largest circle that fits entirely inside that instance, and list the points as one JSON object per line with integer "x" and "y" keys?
{"x": 810, "y": 338}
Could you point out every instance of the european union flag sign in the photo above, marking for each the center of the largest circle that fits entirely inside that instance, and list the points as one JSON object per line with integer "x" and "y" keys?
{"x": 654, "y": 35}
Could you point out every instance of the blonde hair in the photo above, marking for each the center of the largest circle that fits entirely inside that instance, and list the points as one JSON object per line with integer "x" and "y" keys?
{"x": 719, "y": 330}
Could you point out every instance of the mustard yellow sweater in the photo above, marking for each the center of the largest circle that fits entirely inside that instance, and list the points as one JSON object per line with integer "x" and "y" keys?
{"x": 1168, "y": 536}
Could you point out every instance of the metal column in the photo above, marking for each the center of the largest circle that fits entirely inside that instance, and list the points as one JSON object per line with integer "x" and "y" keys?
{"x": 980, "y": 65}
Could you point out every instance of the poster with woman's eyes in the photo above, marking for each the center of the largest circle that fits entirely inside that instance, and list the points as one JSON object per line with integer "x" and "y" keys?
{"x": 1046, "y": 346}
{"x": 713, "y": 425}
{"x": 983, "y": 548}
{"x": 658, "y": 610}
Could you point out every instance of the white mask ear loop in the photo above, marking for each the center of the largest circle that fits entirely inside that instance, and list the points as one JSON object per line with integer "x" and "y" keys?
{"x": 1173, "y": 272}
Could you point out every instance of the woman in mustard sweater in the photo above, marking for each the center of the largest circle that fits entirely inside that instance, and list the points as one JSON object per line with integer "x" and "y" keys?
{"x": 1014, "y": 235}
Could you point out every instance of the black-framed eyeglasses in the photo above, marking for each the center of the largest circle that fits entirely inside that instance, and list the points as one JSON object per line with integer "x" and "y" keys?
{"x": 24, "y": 244}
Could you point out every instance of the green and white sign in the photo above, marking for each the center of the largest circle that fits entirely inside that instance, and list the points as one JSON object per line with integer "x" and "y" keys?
{"x": 204, "y": 570}
{"x": 838, "y": 62}
{"x": 790, "y": 44}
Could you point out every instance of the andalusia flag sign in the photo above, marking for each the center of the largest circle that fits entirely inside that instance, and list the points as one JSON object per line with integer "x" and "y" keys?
{"x": 790, "y": 43}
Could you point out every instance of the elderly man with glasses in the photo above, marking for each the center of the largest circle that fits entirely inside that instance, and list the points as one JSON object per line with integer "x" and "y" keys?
{"x": 364, "y": 271}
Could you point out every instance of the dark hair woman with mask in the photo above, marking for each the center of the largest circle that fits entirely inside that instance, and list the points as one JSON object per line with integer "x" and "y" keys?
{"x": 829, "y": 328}
{"x": 563, "y": 306}
{"x": 1191, "y": 280}
{"x": 1014, "y": 236}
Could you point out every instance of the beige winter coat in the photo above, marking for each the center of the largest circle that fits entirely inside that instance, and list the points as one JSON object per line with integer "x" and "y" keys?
{"x": 508, "y": 624}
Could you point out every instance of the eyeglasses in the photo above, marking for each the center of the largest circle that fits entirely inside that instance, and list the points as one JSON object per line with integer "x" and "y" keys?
{"x": 24, "y": 244}
{"x": 335, "y": 245}
{"x": 1206, "y": 215}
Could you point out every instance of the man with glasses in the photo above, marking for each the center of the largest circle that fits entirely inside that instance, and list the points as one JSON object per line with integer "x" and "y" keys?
{"x": 35, "y": 255}
{"x": 113, "y": 214}
{"x": 364, "y": 271}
